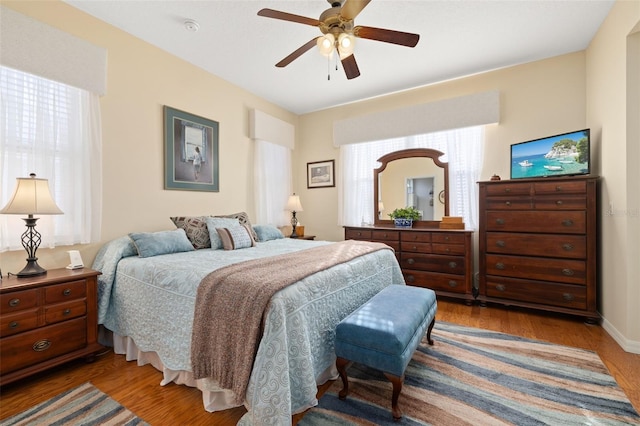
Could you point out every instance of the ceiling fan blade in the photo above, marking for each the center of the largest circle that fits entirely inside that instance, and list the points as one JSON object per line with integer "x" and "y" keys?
{"x": 276, "y": 14}
{"x": 296, "y": 53}
{"x": 388, "y": 36}
{"x": 350, "y": 67}
{"x": 351, "y": 8}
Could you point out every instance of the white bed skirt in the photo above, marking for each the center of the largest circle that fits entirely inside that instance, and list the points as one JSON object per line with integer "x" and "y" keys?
{"x": 214, "y": 398}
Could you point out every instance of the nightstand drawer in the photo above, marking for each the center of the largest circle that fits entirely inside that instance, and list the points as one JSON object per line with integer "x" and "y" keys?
{"x": 18, "y": 300}
{"x": 18, "y": 322}
{"x": 64, "y": 311}
{"x": 67, "y": 291}
{"x": 42, "y": 344}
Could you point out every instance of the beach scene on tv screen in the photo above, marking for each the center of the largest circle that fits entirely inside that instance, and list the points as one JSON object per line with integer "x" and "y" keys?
{"x": 566, "y": 154}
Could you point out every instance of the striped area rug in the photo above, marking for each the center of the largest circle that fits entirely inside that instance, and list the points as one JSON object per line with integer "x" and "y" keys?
{"x": 478, "y": 377}
{"x": 84, "y": 405}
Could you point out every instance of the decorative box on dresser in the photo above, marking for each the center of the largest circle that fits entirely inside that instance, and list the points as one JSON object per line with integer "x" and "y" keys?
{"x": 538, "y": 244}
{"x": 47, "y": 320}
{"x": 441, "y": 260}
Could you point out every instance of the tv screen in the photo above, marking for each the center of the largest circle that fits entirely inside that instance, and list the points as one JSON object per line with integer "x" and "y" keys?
{"x": 559, "y": 155}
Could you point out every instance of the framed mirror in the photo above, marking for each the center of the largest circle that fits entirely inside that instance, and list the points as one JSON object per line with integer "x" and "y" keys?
{"x": 411, "y": 177}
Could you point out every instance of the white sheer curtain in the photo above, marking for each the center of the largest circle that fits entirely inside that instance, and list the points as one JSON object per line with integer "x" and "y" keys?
{"x": 463, "y": 149}
{"x": 52, "y": 130}
{"x": 272, "y": 183}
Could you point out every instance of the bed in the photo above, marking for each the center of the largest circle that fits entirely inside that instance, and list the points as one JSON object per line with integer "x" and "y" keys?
{"x": 147, "y": 305}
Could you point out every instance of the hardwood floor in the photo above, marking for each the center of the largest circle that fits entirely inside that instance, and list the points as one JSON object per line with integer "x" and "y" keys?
{"x": 138, "y": 389}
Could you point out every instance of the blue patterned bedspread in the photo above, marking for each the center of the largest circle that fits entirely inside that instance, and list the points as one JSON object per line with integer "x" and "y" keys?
{"x": 152, "y": 301}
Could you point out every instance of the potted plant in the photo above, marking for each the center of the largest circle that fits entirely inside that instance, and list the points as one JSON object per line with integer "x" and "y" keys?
{"x": 403, "y": 218}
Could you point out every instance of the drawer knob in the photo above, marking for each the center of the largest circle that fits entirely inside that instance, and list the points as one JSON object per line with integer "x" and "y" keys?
{"x": 66, "y": 312}
{"x": 447, "y": 249}
{"x": 508, "y": 203}
{"x": 453, "y": 264}
{"x": 415, "y": 248}
{"x": 567, "y": 222}
{"x": 567, "y": 296}
{"x": 411, "y": 278}
{"x": 559, "y": 203}
{"x": 66, "y": 292}
{"x": 507, "y": 190}
{"x": 558, "y": 188}
{"x": 501, "y": 243}
{"x": 446, "y": 238}
{"x": 568, "y": 272}
{"x": 41, "y": 345}
{"x": 500, "y": 221}
{"x": 14, "y": 302}
{"x": 500, "y": 287}
{"x": 411, "y": 261}
{"x": 385, "y": 235}
{"x": 14, "y": 324}
{"x": 500, "y": 266}
{"x": 453, "y": 283}
{"x": 567, "y": 247}
{"x": 359, "y": 234}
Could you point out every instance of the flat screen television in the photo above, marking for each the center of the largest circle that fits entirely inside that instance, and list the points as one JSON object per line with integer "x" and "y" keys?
{"x": 560, "y": 155}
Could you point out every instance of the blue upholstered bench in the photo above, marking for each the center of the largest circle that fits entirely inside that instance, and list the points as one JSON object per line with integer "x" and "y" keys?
{"x": 384, "y": 333}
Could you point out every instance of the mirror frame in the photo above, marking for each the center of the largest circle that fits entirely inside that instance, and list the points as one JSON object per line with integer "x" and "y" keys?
{"x": 410, "y": 153}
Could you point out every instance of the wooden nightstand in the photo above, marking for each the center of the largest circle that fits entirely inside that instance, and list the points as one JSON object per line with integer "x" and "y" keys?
{"x": 47, "y": 320}
{"x": 306, "y": 237}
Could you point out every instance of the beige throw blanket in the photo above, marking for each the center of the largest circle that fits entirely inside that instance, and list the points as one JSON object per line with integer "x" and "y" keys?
{"x": 231, "y": 302}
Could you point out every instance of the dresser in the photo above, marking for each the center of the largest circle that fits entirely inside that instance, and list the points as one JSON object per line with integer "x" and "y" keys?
{"x": 47, "y": 320}
{"x": 441, "y": 260}
{"x": 538, "y": 244}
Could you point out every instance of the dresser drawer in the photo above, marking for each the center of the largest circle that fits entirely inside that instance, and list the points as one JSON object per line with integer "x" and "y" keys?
{"x": 385, "y": 235}
{"x": 561, "y": 222}
{"x": 447, "y": 238}
{"x": 508, "y": 203}
{"x": 432, "y": 262}
{"x": 567, "y": 187}
{"x": 415, "y": 247}
{"x": 357, "y": 234}
{"x": 67, "y": 291}
{"x": 562, "y": 295}
{"x": 560, "y": 270}
{"x": 566, "y": 202}
{"x": 508, "y": 189}
{"x": 18, "y": 300}
{"x": 455, "y": 249}
{"x": 548, "y": 245}
{"x": 39, "y": 345}
{"x": 18, "y": 322}
{"x": 435, "y": 281}
{"x": 64, "y": 311}
{"x": 418, "y": 237}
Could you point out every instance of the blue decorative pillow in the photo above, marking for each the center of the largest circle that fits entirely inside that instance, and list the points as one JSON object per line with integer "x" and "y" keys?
{"x": 218, "y": 222}
{"x": 267, "y": 232}
{"x": 236, "y": 237}
{"x": 151, "y": 244}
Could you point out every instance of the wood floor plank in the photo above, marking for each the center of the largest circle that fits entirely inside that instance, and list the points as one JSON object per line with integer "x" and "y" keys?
{"x": 138, "y": 388}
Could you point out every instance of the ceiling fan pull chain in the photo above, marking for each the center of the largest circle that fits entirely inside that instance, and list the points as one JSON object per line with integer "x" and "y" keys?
{"x": 329, "y": 67}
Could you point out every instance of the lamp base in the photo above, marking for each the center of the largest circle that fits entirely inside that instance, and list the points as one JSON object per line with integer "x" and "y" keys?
{"x": 32, "y": 269}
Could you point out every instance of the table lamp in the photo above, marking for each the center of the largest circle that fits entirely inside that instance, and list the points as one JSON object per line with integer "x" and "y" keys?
{"x": 31, "y": 196}
{"x": 293, "y": 205}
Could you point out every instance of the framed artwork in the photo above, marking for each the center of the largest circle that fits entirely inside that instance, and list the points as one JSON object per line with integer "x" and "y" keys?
{"x": 321, "y": 174}
{"x": 190, "y": 152}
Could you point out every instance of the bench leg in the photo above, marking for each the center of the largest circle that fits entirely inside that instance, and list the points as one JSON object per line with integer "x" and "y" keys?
{"x": 396, "y": 412}
{"x": 341, "y": 365}
{"x": 429, "y": 339}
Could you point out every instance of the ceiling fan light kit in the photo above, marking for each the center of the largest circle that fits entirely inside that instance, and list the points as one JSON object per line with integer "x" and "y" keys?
{"x": 339, "y": 33}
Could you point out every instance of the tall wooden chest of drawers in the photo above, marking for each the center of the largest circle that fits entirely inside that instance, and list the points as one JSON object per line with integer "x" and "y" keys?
{"x": 47, "y": 320}
{"x": 538, "y": 244}
{"x": 441, "y": 260}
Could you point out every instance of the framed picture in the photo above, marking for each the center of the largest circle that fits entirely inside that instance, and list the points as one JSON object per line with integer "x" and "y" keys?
{"x": 190, "y": 152}
{"x": 321, "y": 174}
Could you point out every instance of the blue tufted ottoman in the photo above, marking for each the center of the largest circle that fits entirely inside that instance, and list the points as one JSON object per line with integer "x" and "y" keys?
{"x": 384, "y": 333}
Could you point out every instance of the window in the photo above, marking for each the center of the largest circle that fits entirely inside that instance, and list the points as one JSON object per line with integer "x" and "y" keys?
{"x": 52, "y": 130}
{"x": 272, "y": 182}
{"x": 463, "y": 150}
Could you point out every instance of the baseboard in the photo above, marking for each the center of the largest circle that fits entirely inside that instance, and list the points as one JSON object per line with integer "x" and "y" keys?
{"x": 631, "y": 346}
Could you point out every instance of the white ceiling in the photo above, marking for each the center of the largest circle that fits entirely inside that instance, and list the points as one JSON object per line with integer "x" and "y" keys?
{"x": 457, "y": 38}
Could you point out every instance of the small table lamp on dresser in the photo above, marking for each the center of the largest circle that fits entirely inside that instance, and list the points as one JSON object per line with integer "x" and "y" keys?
{"x": 31, "y": 196}
{"x": 293, "y": 205}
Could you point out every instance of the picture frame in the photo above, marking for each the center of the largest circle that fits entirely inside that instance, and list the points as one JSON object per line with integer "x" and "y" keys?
{"x": 321, "y": 174}
{"x": 191, "y": 152}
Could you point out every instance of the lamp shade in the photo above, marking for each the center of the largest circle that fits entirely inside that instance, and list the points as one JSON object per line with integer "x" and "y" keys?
{"x": 293, "y": 204}
{"x": 31, "y": 196}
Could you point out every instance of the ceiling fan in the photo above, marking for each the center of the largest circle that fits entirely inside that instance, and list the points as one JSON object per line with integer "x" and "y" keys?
{"x": 336, "y": 25}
